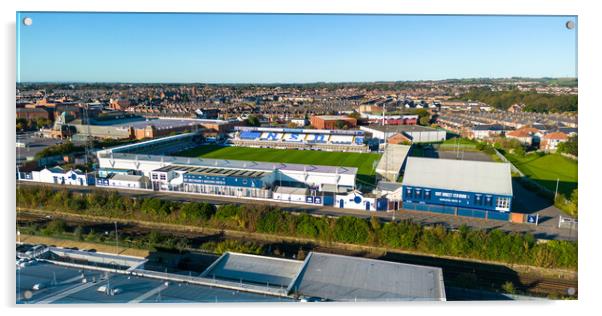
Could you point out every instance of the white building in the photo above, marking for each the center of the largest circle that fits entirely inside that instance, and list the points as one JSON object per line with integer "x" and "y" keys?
{"x": 290, "y": 194}
{"x": 58, "y": 175}
{"x": 355, "y": 200}
{"x": 129, "y": 181}
{"x": 418, "y": 134}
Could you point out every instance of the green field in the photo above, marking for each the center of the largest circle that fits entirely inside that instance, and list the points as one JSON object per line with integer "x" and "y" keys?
{"x": 365, "y": 162}
{"x": 547, "y": 168}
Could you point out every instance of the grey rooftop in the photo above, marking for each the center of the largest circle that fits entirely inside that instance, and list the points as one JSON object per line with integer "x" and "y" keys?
{"x": 459, "y": 175}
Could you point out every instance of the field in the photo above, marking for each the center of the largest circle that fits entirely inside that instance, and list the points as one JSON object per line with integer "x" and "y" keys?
{"x": 547, "y": 168}
{"x": 365, "y": 162}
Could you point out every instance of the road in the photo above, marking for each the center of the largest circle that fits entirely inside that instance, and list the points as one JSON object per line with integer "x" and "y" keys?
{"x": 548, "y": 231}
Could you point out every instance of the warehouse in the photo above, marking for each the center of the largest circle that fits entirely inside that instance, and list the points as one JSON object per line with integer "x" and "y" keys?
{"x": 457, "y": 185}
{"x": 418, "y": 134}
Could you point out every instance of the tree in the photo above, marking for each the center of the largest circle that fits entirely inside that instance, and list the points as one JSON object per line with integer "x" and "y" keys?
{"x": 253, "y": 120}
{"x": 355, "y": 115}
{"x": 340, "y": 124}
{"x": 569, "y": 147}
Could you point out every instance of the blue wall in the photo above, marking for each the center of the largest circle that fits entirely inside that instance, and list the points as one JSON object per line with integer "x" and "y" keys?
{"x": 220, "y": 180}
{"x": 451, "y": 198}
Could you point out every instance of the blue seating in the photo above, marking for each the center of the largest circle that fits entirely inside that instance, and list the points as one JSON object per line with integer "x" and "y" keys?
{"x": 249, "y": 135}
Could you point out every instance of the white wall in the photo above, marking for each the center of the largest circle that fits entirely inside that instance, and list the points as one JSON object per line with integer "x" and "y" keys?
{"x": 285, "y": 197}
{"x": 349, "y": 201}
{"x": 311, "y": 178}
{"x": 46, "y": 176}
{"x": 126, "y": 184}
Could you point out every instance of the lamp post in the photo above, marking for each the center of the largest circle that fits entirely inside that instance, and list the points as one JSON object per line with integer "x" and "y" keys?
{"x": 116, "y": 240}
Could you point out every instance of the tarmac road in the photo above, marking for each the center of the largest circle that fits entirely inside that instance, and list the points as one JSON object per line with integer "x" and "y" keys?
{"x": 547, "y": 232}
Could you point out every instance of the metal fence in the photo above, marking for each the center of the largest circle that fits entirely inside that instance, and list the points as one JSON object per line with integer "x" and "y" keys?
{"x": 524, "y": 179}
{"x": 458, "y": 211}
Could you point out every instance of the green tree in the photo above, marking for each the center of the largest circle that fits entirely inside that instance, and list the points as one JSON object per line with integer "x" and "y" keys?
{"x": 351, "y": 229}
{"x": 570, "y": 146}
{"x": 253, "y": 120}
{"x": 340, "y": 124}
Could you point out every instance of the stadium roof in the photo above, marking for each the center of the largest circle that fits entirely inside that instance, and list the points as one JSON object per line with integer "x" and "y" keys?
{"x": 213, "y": 171}
{"x": 392, "y": 160}
{"x": 231, "y": 164}
{"x": 459, "y": 175}
{"x": 343, "y": 278}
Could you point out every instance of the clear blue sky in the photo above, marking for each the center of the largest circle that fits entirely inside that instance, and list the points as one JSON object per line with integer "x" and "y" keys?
{"x": 237, "y": 48}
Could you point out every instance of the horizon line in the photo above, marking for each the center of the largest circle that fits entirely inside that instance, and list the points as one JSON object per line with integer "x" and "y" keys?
{"x": 287, "y": 83}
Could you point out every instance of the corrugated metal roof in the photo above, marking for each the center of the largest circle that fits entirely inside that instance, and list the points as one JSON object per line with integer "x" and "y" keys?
{"x": 342, "y": 278}
{"x": 459, "y": 175}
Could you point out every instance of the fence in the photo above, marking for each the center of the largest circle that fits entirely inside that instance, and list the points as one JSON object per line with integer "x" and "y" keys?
{"x": 458, "y": 211}
{"x": 523, "y": 179}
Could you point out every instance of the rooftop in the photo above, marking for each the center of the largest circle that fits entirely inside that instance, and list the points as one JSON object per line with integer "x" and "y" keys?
{"x": 459, "y": 175}
{"x": 399, "y": 128}
{"x": 343, "y": 278}
{"x": 261, "y": 270}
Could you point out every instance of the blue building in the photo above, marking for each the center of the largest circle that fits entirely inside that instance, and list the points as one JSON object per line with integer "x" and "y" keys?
{"x": 457, "y": 186}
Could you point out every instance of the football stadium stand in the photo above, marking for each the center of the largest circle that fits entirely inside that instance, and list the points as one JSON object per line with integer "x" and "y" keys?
{"x": 308, "y": 139}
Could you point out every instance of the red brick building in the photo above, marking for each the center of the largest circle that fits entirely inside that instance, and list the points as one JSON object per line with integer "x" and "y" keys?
{"x": 330, "y": 121}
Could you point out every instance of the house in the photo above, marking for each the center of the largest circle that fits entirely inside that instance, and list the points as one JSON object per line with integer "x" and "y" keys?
{"x": 398, "y": 138}
{"x": 525, "y": 135}
{"x": 516, "y": 108}
{"x": 485, "y": 131}
{"x": 550, "y": 141}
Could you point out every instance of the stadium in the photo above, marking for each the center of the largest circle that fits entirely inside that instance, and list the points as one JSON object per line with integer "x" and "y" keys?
{"x": 307, "y": 139}
{"x": 222, "y": 177}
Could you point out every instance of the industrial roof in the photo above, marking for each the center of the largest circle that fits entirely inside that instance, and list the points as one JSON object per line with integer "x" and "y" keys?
{"x": 74, "y": 276}
{"x": 335, "y": 117}
{"x": 343, "y": 278}
{"x": 459, "y": 175}
{"x": 388, "y": 186}
{"x": 64, "y": 286}
{"x": 262, "y": 270}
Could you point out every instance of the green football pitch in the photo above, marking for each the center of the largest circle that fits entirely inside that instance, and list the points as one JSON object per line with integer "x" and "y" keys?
{"x": 547, "y": 169}
{"x": 365, "y": 162}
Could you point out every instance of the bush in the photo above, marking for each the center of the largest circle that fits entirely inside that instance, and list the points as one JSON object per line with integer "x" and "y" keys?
{"x": 351, "y": 230}
{"x": 55, "y": 227}
{"x": 492, "y": 245}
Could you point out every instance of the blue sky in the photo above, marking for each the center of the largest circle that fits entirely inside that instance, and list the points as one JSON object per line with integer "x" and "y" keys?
{"x": 238, "y": 48}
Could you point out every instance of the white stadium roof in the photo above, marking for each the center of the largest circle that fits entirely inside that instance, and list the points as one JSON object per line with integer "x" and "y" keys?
{"x": 459, "y": 175}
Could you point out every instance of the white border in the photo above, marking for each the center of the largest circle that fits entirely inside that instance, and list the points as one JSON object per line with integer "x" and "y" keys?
{"x": 589, "y": 170}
